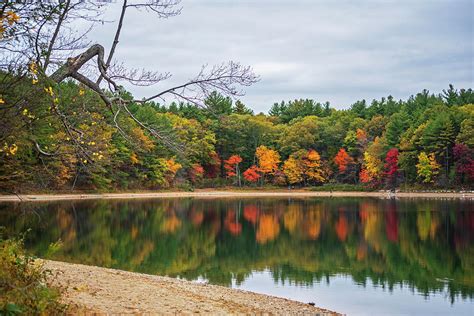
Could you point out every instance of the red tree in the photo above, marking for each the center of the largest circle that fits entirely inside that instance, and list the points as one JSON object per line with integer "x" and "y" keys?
{"x": 231, "y": 167}
{"x": 196, "y": 173}
{"x": 342, "y": 159}
{"x": 464, "y": 161}
{"x": 252, "y": 174}
{"x": 391, "y": 167}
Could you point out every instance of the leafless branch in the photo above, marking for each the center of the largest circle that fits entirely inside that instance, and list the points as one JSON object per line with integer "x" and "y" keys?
{"x": 224, "y": 78}
{"x": 137, "y": 77}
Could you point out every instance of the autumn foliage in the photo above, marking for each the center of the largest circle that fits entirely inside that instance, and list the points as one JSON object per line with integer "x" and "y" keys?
{"x": 231, "y": 165}
{"x": 252, "y": 174}
{"x": 268, "y": 159}
{"x": 196, "y": 173}
{"x": 342, "y": 160}
{"x": 293, "y": 169}
{"x": 464, "y": 162}
{"x": 391, "y": 166}
{"x": 304, "y": 166}
{"x": 427, "y": 167}
{"x": 391, "y": 162}
{"x": 284, "y": 148}
{"x": 365, "y": 176}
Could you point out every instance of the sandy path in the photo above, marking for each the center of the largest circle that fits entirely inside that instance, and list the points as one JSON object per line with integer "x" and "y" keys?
{"x": 109, "y": 291}
{"x": 229, "y": 194}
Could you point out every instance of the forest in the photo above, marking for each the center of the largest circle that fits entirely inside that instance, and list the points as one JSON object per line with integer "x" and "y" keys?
{"x": 61, "y": 137}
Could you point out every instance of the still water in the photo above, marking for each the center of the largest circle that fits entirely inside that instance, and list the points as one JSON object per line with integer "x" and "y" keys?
{"x": 353, "y": 255}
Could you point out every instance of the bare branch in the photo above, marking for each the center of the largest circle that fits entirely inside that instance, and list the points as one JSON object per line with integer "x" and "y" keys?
{"x": 55, "y": 34}
{"x": 224, "y": 78}
{"x": 137, "y": 77}
{"x": 164, "y": 9}
{"x": 116, "y": 40}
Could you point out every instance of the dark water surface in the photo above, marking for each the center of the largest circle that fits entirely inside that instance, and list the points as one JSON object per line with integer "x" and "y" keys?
{"x": 352, "y": 255}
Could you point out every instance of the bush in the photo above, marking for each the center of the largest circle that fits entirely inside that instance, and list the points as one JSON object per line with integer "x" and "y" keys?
{"x": 23, "y": 283}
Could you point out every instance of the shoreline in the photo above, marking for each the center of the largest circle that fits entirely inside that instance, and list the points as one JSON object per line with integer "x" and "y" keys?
{"x": 95, "y": 290}
{"x": 229, "y": 194}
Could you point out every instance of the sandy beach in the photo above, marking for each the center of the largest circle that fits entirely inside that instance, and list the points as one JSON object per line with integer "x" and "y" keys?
{"x": 95, "y": 290}
{"x": 228, "y": 194}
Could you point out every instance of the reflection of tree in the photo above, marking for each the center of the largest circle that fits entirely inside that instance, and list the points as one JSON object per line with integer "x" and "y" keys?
{"x": 293, "y": 218}
{"x": 341, "y": 227}
{"x": 389, "y": 242}
{"x": 66, "y": 225}
{"x": 373, "y": 229}
{"x": 312, "y": 223}
{"x": 423, "y": 223}
{"x": 391, "y": 223}
{"x": 171, "y": 224}
{"x": 268, "y": 228}
{"x": 232, "y": 224}
{"x": 251, "y": 213}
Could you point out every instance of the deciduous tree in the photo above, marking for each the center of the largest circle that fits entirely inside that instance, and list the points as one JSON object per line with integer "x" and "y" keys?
{"x": 252, "y": 174}
{"x": 391, "y": 167}
{"x": 231, "y": 166}
{"x": 342, "y": 160}
{"x": 268, "y": 159}
{"x": 427, "y": 167}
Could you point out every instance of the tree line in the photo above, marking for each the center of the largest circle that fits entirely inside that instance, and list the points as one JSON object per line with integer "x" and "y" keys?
{"x": 424, "y": 141}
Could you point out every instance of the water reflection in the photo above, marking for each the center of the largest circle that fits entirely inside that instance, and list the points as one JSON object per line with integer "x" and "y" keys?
{"x": 427, "y": 245}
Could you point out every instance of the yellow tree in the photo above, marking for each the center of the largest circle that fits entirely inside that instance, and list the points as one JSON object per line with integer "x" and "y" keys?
{"x": 173, "y": 167}
{"x": 304, "y": 166}
{"x": 312, "y": 166}
{"x": 268, "y": 159}
{"x": 373, "y": 164}
{"x": 293, "y": 170}
{"x": 427, "y": 167}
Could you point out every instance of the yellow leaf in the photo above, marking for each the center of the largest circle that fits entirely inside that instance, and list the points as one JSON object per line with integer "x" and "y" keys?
{"x": 13, "y": 149}
{"x": 49, "y": 91}
{"x": 134, "y": 159}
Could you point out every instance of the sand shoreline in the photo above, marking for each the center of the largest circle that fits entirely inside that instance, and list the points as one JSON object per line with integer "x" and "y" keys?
{"x": 95, "y": 290}
{"x": 228, "y": 194}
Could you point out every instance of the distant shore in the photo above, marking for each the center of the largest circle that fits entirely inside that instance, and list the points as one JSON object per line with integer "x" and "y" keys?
{"x": 205, "y": 193}
{"x": 93, "y": 290}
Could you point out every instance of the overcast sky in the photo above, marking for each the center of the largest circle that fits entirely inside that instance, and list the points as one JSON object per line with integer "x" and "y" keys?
{"x": 327, "y": 50}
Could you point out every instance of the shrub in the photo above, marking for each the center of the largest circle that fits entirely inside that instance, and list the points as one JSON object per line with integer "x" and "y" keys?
{"x": 23, "y": 283}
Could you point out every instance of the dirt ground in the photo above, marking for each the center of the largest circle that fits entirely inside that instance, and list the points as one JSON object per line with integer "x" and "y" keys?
{"x": 230, "y": 194}
{"x": 99, "y": 291}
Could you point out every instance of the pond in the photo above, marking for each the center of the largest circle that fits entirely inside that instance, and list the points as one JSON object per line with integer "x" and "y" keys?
{"x": 352, "y": 255}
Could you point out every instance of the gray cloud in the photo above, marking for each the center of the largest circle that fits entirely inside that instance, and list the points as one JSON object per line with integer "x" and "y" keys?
{"x": 337, "y": 51}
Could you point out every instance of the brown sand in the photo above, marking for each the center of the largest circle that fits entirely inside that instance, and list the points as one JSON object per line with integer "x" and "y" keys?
{"x": 231, "y": 194}
{"x": 95, "y": 290}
